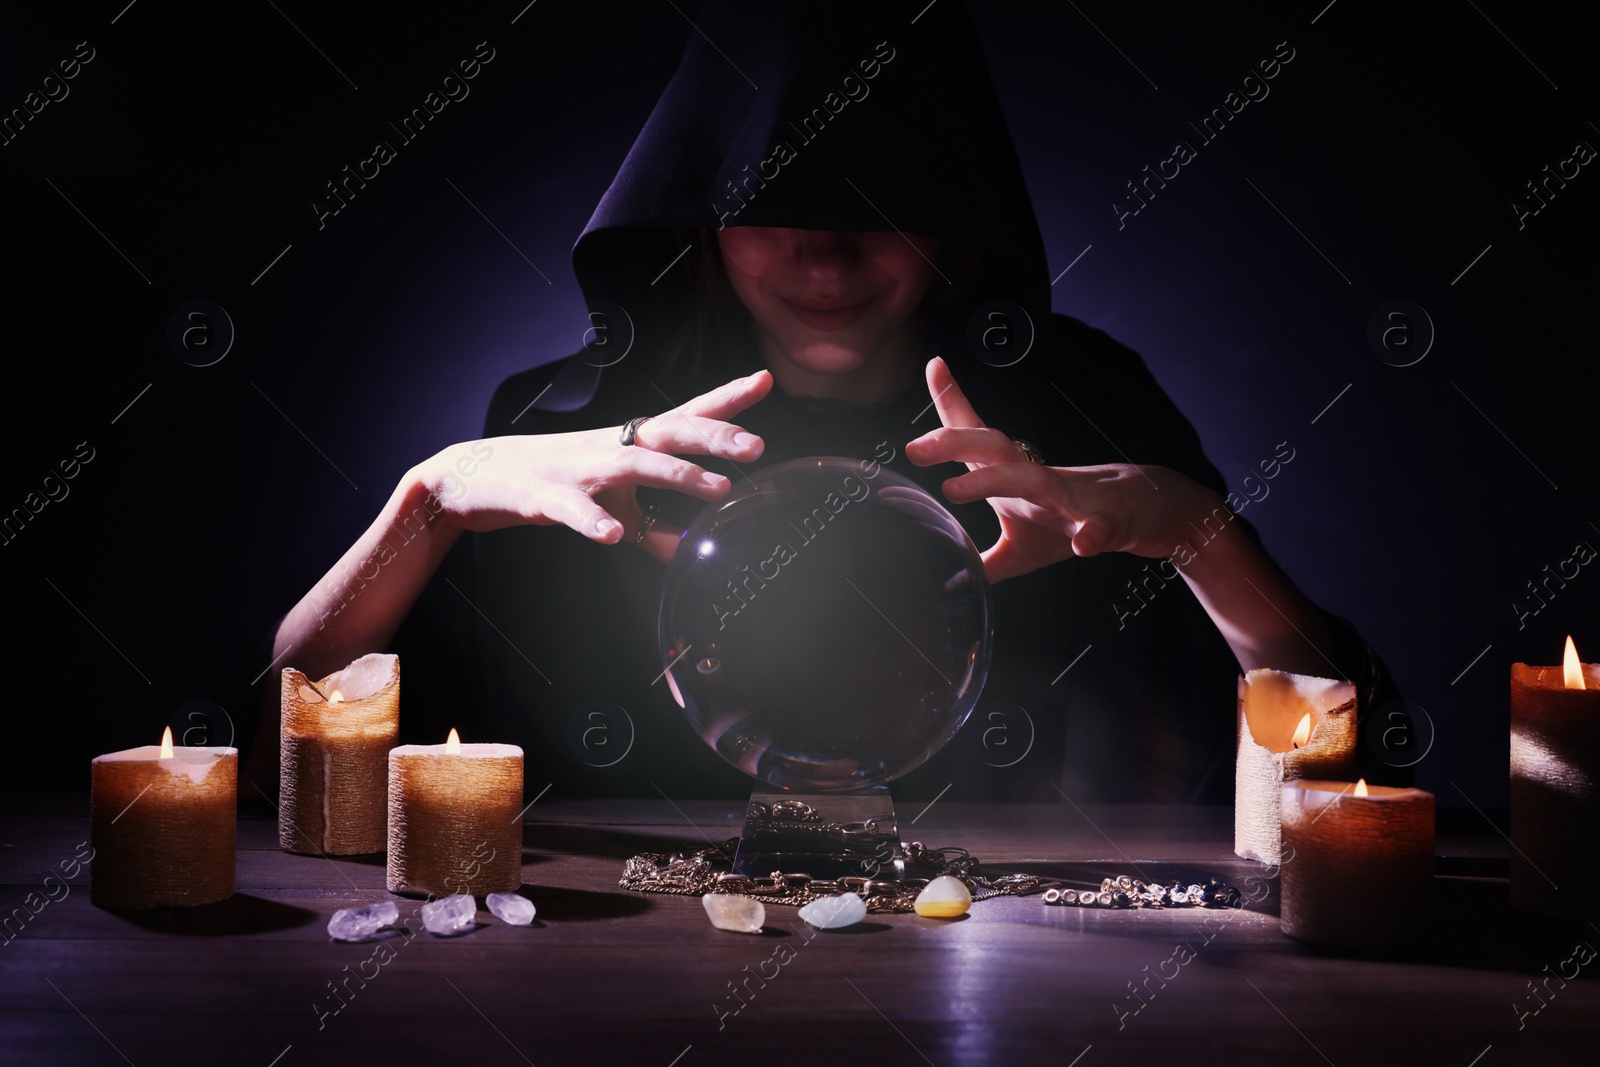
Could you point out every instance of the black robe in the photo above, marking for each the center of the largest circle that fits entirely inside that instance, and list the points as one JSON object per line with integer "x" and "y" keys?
{"x": 1108, "y": 681}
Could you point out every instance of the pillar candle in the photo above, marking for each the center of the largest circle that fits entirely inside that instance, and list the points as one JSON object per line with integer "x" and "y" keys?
{"x": 1555, "y": 805}
{"x": 455, "y": 818}
{"x": 162, "y": 824}
{"x": 1357, "y": 867}
{"x": 334, "y": 749}
{"x": 1290, "y": 726}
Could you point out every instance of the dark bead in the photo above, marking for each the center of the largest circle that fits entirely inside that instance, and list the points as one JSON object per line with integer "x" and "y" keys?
{"x": 1121, "y": 900}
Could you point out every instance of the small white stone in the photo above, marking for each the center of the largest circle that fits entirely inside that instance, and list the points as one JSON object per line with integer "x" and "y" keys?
{"x": 731, "y": 911}
{"x": 450, "y": 915}
{"x": 946, "y": 897}
{"x": 358, "y": 924}
{"x": 513, "y": 908}
{"x": 831, "y": 913}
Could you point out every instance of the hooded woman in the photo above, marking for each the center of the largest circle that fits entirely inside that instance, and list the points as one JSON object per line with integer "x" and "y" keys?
{"x": 821, "y": 243}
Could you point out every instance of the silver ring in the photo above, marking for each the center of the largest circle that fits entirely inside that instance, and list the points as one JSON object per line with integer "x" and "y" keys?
{"x": 631, "y": 428}
{"x": 644, "y": 526}
{"x": 1029, "y": 451}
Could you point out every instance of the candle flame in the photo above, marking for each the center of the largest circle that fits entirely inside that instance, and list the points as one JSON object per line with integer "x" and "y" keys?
{"x": 335, "y": 696}
{"x": 1572, "y": 667}
{"x": 1361, "y": 788}
{"x": 452, "y": 747}
{"x": 166, "y": 743}
{"x": 1302, "y": 733}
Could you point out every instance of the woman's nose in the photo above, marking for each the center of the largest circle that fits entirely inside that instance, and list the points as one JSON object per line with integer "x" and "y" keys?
{"x": 826, "y": 252}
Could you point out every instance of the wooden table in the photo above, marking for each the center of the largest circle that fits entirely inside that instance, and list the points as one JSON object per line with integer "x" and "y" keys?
{"x": 610, "y": 977}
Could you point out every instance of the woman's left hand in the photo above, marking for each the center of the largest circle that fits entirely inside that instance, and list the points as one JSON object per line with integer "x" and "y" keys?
{"x": 1050, "y": 513}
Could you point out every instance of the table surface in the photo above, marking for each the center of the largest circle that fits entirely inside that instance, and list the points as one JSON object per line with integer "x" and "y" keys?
{"x": 607, "y": 976}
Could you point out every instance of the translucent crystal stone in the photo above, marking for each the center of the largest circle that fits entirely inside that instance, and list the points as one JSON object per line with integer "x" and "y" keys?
{"x": 831, "y": 913}
{"x": 358, "y": 924}
{"x": 450, "y": 915}
{"x": 1195, "y": 893}
{"x": 731, "y": 911}
{"x": 1179, "y": 896}
{"x": 944, "y": 898}
{"x": 512, "y": 908}
{"x": 826, "y": 627}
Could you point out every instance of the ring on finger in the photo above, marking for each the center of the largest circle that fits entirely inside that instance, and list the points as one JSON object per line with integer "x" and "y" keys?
{"x": 649, "y": 520}
{"x": 1032, "y": 454}
{"x": 630, "y": 429}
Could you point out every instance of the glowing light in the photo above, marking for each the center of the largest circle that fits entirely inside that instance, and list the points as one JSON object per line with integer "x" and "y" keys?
{"x": 166, "y": 743}
{"x": 452, "y": 747}
{"x": 1361, "y": 788}
{"x": 1302, "y": 733}
{"x": 1572, "y": 667}
{"x": 707, "y": 547}
{"x": 335, "y": 696}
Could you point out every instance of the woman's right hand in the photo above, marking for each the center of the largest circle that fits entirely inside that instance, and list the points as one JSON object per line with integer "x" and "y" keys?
{"x": 588, "y": 479}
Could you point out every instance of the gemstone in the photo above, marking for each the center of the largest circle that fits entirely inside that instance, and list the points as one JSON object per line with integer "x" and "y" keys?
{"x": 1195, "y": 892}
{"x": 1121, "y": 900}
{"x": 512, "y": 908}
{"x": 1180, "y": 896}
{"x": 358, "y": 924}
{"x": 450, "y": 915}
{"x": 944, "y": 898}
{"x": 831, "y": 913}
{"x": 1159, "y": 892}
{"x": 731, "y": 911}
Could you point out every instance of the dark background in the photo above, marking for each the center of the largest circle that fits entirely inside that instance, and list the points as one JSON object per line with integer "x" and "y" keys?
{"x": 1418, "y": 505}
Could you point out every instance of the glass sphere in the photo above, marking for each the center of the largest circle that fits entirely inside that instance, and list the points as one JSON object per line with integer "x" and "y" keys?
{"x": 827, "y": 626}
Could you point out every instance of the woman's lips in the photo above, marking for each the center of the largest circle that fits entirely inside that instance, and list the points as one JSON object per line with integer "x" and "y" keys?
{"x": 828, "y": 319}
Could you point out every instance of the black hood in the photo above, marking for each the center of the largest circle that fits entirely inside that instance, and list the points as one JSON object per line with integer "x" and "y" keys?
{"x": 824, "y": 116}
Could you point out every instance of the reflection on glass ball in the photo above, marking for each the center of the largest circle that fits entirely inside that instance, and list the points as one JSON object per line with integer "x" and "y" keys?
{"x": 827, "y": 626}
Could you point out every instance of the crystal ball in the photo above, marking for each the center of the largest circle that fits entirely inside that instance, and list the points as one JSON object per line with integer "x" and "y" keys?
{"x": 827, "y": 626}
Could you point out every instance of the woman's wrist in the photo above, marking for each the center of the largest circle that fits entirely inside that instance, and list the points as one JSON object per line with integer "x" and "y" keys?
{"x": 1259, "y": 612}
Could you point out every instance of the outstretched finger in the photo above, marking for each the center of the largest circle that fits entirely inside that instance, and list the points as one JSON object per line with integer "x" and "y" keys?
{"x": 952, "y": 404}
{"x": 962, "y": 444}
{"x": 728, "y": 399}
{"x": 676, "y": 433}
{"x": 1021, "y": 480}
{"x": 578, "y": 510}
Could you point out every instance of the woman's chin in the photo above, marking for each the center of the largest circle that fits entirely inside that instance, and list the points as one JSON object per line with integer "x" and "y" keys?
{"x": 826, "y": 360}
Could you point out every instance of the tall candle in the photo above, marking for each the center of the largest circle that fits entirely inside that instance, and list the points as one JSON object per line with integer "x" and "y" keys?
{"x": 455, "y": 818}
{"x": 163, "y": 827}
{"x": 1357, "y": 863}
{"x": 1290, "y": 726}
{"x": 1555, "y": 802}
{"x": 334, "y": 757}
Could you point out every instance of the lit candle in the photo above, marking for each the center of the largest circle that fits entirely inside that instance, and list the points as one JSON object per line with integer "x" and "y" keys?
{"x": 1357, "y": 863}
{"x": 455, "y": 818}
{"x": 1290, "y": 726}
{"x": 1555, "y": 806}
{"x": 334, "y": 757}
{"x": 162, "y": 824}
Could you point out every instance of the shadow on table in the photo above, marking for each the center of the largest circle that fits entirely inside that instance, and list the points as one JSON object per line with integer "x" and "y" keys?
{"x": 609, "y": 844}
{"x": 239, "y": 914}
{"x": 566, "y": 905}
